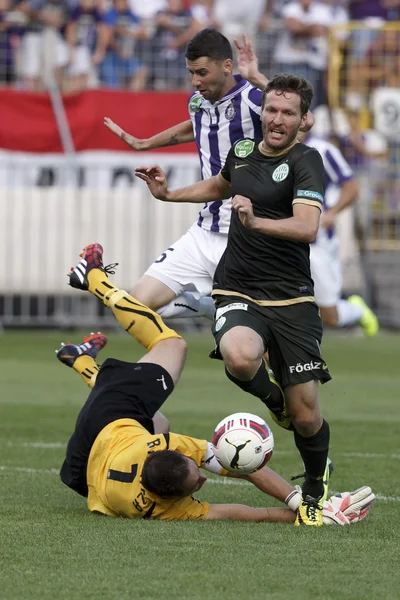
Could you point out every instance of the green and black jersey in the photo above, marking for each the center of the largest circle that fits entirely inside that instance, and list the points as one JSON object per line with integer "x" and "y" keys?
{"x": 269, "y": 270}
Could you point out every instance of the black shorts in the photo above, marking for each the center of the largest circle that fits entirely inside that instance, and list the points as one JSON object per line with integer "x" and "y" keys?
{"x": 123, "y": 391}
{"x": 291, "y": 334}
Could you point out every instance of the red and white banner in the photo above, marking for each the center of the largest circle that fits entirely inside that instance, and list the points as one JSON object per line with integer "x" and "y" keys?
{"x": 28, "y": 123}
{"x": 96, "y": 169}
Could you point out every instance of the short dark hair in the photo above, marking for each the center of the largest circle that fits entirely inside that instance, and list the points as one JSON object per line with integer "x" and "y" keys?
{"x": 284, "y": 82}
{"x": 211, "y": 43}
{"x": 164, "y": 473}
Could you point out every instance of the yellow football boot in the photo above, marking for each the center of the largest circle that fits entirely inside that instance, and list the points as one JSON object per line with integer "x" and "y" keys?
{"x": 368, "y": 321}
{"x": 309, "y": 513}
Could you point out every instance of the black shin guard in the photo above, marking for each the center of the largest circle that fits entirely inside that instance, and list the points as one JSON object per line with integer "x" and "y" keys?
{"x": 314, "y": 452}
{"x": 261, "y": 387}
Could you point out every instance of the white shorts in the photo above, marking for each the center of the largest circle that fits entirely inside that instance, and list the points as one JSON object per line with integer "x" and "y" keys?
{"x": 190, "y": 263}
{"x": 326, "y": 272}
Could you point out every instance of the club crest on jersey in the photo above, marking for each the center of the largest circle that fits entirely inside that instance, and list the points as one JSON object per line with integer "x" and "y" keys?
{"x": 280, "y": 173}
{"x": 244, "y": 148}
{"x": 195, "y": 103}
{"x": 230, "y": 111}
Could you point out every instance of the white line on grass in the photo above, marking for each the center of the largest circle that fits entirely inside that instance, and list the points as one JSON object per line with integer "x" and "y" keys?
{"x": 368, "y": 455}
{"x": 227, "y": 481}
{"x": 29, "y": 470}
{"x": 222, "y": 481}
{"x": 346, "y": 454}
{"x": 45, "y": 445}
{"x": 365, "y": 455}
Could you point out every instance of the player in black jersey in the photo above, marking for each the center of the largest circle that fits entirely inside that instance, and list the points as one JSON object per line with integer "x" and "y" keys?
{"x": 263, "y": 288}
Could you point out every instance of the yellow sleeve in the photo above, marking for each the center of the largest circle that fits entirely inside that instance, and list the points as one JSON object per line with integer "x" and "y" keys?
{"x": 186, "y": 508}
{"x": 190, "y": 447}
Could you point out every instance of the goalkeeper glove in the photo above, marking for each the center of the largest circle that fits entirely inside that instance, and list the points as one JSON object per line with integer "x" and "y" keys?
{"x": 356, "y": 505}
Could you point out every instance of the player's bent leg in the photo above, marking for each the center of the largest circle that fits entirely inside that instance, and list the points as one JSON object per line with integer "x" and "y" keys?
{"x": 187, "y": 269}
{"x": 303, "y": 407}
{"x": 153, "y": 293}
{"x": 82, "y": 357}
{"x": 187, "y": 305}
{"x": 169, "y": 354}
{"x": 161, "y": 423}
{"x": 242, "y": 350}
{"x": 146, "y": 326}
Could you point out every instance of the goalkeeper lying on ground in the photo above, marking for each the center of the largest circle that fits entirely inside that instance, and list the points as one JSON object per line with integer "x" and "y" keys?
{"x": 121, "y": 455}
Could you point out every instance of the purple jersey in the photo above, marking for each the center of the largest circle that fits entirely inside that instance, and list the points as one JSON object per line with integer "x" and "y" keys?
{"x": 216, "y": 128}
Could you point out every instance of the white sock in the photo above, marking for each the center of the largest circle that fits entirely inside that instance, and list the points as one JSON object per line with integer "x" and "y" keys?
{"x": 349, "y": 314}
{"x": 187, "y": 305}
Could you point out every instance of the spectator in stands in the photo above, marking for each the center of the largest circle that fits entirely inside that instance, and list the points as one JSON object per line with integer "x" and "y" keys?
{"x": 203, "y": 13}
{"x": 120, "y": 67}
{"x": 236, "y": 18}
{"x": 269, "y": 28}
{"x": 302, "y": 47}
{"x": 147, "y": 10}
{"x": 175, "y": 27}
{"x": 380, "y": 66}
{"x": 10, "y": 36}
{"x": 43, "y": 40}
{"x": 88, "y": 37}
{"x": 335, "y": 15}
{"x": 374, "y": 14}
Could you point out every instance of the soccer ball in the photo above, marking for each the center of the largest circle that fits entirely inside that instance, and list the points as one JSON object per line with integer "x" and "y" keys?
{"x": 243, "y": 443}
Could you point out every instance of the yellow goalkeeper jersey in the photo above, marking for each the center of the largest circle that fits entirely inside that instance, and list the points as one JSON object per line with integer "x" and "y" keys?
{"x": 114, "y": 473}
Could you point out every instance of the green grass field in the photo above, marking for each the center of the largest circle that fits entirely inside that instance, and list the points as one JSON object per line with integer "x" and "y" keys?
{"x": 51, "y": 547}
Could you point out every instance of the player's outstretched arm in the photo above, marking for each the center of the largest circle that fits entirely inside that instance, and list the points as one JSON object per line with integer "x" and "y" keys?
{"x": 241, "y": 512}
{"x": 182, "y": 133}
{"x": 216, "y": 188}
{"x": 269, "y": 482}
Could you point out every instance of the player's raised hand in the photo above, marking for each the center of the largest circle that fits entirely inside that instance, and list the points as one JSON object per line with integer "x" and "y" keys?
{"x": 132, "y": 141}
{"x": 247, "y": 59}
{"x": 116, "y": 129}
{"x": 244, "y": 209}
{"x": 155, "y": 178}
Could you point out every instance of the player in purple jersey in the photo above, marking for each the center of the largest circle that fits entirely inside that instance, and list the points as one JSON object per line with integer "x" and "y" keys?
{"x": 223, "y": 109}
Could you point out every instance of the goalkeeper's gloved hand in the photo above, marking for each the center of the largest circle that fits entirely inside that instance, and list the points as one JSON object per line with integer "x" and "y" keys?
{"x": 332, "y": 515}
{"x": 355, "y": 506}
{"x": 341, "y": 509}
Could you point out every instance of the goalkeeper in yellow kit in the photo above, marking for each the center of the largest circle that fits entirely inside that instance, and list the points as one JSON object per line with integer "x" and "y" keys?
{"x": 122, "y": 456}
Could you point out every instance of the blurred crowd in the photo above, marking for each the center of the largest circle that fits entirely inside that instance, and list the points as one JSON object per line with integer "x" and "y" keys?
{"x": 140, "y": 44}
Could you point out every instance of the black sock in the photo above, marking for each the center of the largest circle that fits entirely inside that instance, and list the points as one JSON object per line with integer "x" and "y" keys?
{"x": 261, "y": 387}
{"x": 314, "y": 452}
